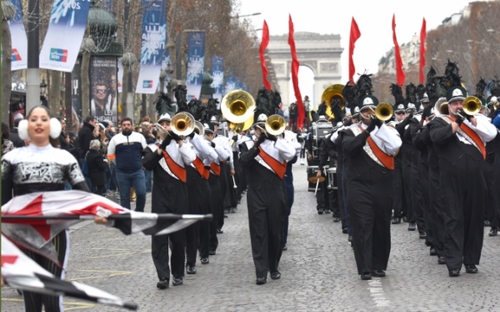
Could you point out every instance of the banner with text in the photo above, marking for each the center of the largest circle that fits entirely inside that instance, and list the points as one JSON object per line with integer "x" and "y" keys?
{"x": 64, "y": 35}
{"x": 19, "y": 39}
{"x": 195, "y": 63}
{"x": 154, "y": 39}
{"x": 218, "y": 76}
{"x": 103, "y": 104}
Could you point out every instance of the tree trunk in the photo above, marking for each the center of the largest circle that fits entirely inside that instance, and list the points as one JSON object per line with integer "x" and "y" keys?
{"x": 6, "y": 73}
{"x": 55, "y": 93}
{"x": 85, "y": 85}
{"x": 125, "y": 90}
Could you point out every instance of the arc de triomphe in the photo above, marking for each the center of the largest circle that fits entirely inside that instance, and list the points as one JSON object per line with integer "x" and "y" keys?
{"x": 321, "y": 53}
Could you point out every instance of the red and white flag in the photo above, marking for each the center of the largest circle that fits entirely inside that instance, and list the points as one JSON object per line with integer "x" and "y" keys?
{"x": 32, "y": 220}
{"x": 21, "y": 272}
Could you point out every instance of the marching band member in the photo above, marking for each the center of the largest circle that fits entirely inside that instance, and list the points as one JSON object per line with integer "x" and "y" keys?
{"x": 460, "y": 140}
{"x": 168, "y": 161}
{"x": 399, "y": 204}
{"x": 265, "y": 166}
{"x": 369, "y": 150}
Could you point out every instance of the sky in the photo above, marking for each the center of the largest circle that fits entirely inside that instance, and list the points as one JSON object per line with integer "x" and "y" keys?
{"x": 374, "y": 19}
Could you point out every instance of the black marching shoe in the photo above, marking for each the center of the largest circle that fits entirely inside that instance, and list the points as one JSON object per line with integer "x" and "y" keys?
{"x": 432, "y": 252}
{"x": 344, "y": 230}
{"x": 454, "y": 272}
{"x": 441, "y": 260}
{"x": 366, "y": 276}
{"x": 233, "y": 210}
{"x": 336, "y": 219}
{"x": 284, "y": 248}
{"x": 378, "y": 273}
{"x": 320, "y": 210}
{"x": 190, "y": 269}
{"x": 487, "y": 223}
{"x": 275, "y": 275}
{"x": 349, "y": 238}
{"x": 261, "y": 280}
{"x": 471, "y": 268}
{"x": 204, "y": 261}
{"x": 328, "y": 211}
{"x": 412, "y": 226}
{"x": 422, "y": 235}
{"x": 493, "y": 232}
{"x": 177, "y": 281}
{"x": 220, "y": 231}
{"x": 396, "y": 220}
{"x": 162, "y": 283}
{"x": 211, "y": 252}
{"x": 405, "y": 219}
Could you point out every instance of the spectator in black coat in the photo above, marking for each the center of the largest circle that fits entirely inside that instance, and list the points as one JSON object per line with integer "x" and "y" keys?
{"x": 14, "y": 135}
{"x": 97, "y": 168}
{"x": 85, "y": 135}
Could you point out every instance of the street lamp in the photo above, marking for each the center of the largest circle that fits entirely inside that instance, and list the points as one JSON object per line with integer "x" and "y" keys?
{"x": 43, "y": 87}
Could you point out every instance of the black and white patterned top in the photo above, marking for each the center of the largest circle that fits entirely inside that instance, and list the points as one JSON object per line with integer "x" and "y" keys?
{"x": 39, "y": 169}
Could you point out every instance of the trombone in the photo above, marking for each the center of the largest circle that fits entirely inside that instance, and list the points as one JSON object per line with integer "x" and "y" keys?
{"x": 182, "y": 124}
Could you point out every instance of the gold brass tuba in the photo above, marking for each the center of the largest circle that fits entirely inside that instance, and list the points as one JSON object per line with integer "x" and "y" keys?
{"x": 441, "y": 107}
{"x": 333, "y": 91}
{"x": 472, "y": 105}
{"x": 237, "y": 106}
{"x": 275, "y": 124}
{"x": 183, "y": 124}
{"x": 384, "y": 111}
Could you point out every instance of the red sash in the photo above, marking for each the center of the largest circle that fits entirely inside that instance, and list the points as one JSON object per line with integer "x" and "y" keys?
{"x": 278, "y": 168}
{"x": 473, "y": 135}
{"x": 199, "y": 166}
{"x": 206, "y": 173}
{"x": 179, "y": 171}
{"x": 386, "y": 160}
{"x": 215, "y": 168}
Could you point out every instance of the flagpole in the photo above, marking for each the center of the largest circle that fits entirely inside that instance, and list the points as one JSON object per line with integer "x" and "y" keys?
{"x": 159, "y": 216}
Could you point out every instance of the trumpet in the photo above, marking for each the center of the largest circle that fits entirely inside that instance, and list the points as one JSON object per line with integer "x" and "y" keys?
{"x": 472, "y": 105}
{"x": 383, "y": 111}
{"x": 275, "y": 124}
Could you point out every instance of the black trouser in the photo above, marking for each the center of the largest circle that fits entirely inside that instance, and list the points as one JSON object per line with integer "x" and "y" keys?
{"x": 407, "y": 210}
{"x": 217, "y": 209}
{"x": 205, "y": 226}
{"x": 490, "y": 213}
{"x": 496, "y": 198}
{"x": 417, "y": 200}
{"x": 266, "y": 214}
{"x": 426, "y": 208}
{"x": 436, "y": 211}
{"x": 159, "y": 251}
{"x": 342, "y": 194}
{"x": 370, "y": 202}
{"x": 195, "y": 197}
{"x": 399, "y": 203}
{"x": 33, "y": 301}
{"x": 464, "y": 191}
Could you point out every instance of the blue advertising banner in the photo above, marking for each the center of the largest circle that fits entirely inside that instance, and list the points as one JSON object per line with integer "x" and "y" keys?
{"x": 218, "y": 76}
{"x": 230, "y": 84}
{"x": 67, "y": 20}
{"x": 195, "y": 63}
{"x": 154, "y": 39}
{"x": 19, "y": 39}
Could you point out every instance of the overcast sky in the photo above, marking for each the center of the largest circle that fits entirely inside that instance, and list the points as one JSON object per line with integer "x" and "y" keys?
{"x": 374, "y": 20}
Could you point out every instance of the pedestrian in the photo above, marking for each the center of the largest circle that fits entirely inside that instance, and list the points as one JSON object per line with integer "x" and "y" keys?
{"x": 97, "y": 168}
{"x": 125, "y": 149}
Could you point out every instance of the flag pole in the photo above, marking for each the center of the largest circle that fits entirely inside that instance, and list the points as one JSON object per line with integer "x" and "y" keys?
{"x": 160, "y": 216}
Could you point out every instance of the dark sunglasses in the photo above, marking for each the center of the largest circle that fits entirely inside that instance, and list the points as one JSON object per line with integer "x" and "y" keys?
{"x": 400, "y": 113}
{"x": 100, "y": 91}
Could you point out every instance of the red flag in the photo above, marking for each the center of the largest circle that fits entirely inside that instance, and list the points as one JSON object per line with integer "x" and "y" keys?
{"x": 263, "y": 46}
{"x": 400, "y": 74}
{"x": 355, "y": 34}
{"x": 295, "y": 74}
{"x": 423, "y": 35}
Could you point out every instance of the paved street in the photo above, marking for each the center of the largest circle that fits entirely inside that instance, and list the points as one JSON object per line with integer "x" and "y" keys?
{"x": 318, "y": 271}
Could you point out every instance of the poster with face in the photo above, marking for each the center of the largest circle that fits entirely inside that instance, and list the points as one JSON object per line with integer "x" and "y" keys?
{"x": 103, "y": 92}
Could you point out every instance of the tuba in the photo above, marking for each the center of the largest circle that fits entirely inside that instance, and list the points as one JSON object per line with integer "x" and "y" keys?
{"x": 333, "y": 91}
{"x": 472, "y": 105}
{"x": 384, "y": 111}
{"x": 183, "y": 124}
{"x": 441, "y": 107}
{"x": 275, "y": 125}
{"x": 237, "y": 106}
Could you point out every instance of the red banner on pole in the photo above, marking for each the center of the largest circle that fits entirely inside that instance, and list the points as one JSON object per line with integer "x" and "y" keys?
{"x": 263, "y": 46}
{"x": 355, "y": 34}
{"x": 423, "y": 36}
{"x": 400, "y": 74}
{"x": 295, "y": 74}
